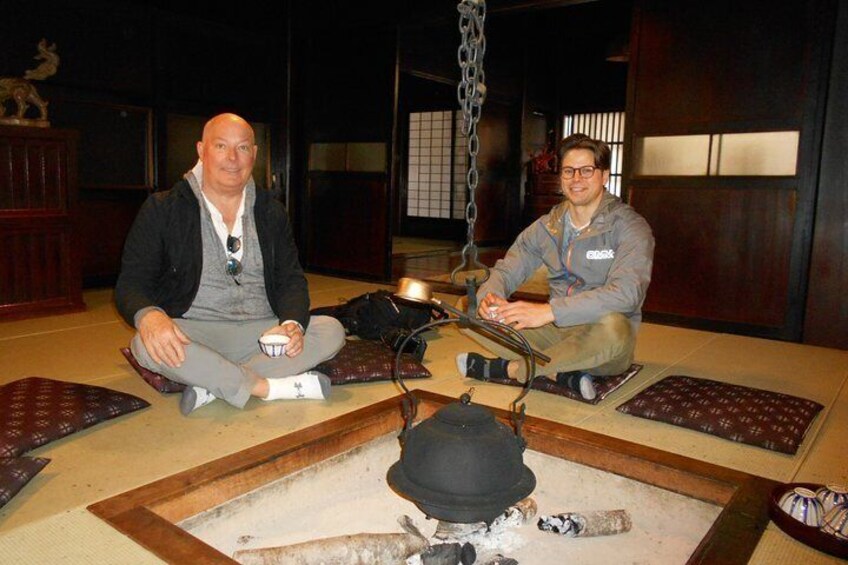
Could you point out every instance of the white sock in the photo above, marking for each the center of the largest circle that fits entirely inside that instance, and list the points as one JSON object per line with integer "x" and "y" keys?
{"x": 305, "y": 385}
{"x": 587, "y": 387}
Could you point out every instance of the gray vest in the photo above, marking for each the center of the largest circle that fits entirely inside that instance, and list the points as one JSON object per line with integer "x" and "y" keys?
{"x": 219, "y": 296}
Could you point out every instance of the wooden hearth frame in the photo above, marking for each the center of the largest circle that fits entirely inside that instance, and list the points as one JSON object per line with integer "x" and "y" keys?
{"x": 149, "y": 514}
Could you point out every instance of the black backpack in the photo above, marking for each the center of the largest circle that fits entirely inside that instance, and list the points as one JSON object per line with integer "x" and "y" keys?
{"x": 378, "y": 315}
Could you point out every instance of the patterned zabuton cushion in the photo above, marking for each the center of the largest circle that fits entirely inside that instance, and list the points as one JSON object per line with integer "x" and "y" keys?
{"x": 35, "y": 411}
{"x": 365, "y": 361}
{"x": 603, "y": 385}
{"x": 15, "y": 473}
{"x": 160, "y": 382}
{"x": 754, "y": 416}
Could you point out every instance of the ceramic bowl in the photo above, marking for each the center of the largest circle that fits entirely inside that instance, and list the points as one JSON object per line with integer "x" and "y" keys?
{"x": 801, "y": 503}
{"x": 273, "y": 345}
{"x": 835, "y": 522}
{"x": 832, "y": 495}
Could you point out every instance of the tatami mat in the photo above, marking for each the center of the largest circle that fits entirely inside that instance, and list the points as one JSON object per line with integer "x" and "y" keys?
{"x": 777, "y": 548}
{"x": 76, "y": 536}
{"x": 827, "y": 460}
{"x": 47, "y": 521}
{"x": 78, "y": 354}
{"x": 809, "y": 372}
{"x": 98, "y": 309}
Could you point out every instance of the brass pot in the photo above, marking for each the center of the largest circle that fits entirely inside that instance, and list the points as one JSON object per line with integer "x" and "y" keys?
{"x": 414, "y": 290}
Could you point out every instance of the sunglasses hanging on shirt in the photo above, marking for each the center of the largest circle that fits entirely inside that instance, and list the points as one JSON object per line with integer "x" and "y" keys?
{"x": 233, "y": 265}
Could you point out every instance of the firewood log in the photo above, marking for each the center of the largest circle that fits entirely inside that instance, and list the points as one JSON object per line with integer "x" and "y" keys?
{"x": 355, "y": 549}
{"x": 587, "y": 524}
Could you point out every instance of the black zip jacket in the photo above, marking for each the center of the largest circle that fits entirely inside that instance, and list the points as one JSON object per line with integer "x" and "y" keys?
{"x": 163, "y": 257}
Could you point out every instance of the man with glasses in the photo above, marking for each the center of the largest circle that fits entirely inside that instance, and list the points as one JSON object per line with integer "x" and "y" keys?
{"x": 210, "y": 266}
{"x": 598, "y": 253}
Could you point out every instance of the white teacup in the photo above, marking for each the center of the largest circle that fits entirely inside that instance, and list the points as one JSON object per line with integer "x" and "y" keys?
{"x": 836, "y": 522}
{"x": 274, "y": 345}
{"x": 832, "y": 495}
{"x": 801, "y": 503}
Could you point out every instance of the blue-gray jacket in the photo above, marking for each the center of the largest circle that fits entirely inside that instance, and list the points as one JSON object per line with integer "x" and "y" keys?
{"x": 606, "y": 268}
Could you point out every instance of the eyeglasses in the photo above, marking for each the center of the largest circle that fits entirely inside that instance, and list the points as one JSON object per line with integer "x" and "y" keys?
{"x": 585, "y": 172}
{"x": 233, "y": 264}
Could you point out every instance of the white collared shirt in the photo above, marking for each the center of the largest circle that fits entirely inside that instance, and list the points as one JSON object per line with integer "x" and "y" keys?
{"x": 218, "y": 218}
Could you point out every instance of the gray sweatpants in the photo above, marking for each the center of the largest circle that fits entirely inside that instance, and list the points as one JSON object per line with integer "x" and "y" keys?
{"x": 224, "y": 357}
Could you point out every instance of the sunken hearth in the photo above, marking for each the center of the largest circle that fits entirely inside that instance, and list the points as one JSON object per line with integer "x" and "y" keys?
{"x": 330, "y": 480}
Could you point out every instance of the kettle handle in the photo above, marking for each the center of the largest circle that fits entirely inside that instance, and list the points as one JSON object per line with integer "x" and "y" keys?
{"x": 410, "y": 404}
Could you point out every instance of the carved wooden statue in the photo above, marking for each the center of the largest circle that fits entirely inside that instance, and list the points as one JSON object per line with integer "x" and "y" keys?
{"x": 23, "y": 93}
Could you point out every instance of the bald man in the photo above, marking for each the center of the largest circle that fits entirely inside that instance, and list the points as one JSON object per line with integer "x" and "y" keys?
{"x": 210, "y": 266}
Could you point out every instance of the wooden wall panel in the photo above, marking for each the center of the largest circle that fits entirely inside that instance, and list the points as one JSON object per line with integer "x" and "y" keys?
{"x": 350, "y": 97}
{"x": 431, "y": 51}
{"x": 348, "y": 218}
{"x": 733, "y": 253}
{"x": 722, "y": 254}
{"x": 703, "y": 66}
{"x": 544, "y": 191}
{"x": 826, "y": 321}
{"x": 584, "y": 81}
{"x": 103, "y": 241}
{"x": 343, "y": 100}
{"x": 497, "y": 192}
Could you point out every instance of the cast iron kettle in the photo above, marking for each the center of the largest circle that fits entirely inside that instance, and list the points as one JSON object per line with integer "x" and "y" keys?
{"x": 461, "y": 464}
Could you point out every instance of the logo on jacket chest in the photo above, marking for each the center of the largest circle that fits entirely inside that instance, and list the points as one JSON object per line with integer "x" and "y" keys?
{"x": 600, "y": 254}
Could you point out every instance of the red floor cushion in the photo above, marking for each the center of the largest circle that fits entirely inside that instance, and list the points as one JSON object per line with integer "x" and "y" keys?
{"x": 160, "y": 382}
{"x": 365, "y": 361}
{"x": 771, "y": 420}
{"x": 15, "y": 473}
{"x": 35, "y": 411}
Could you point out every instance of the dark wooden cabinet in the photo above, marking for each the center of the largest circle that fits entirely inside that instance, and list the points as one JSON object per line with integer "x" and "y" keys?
{"x": 543, "y": 193}
{"x": 40, "y": 270}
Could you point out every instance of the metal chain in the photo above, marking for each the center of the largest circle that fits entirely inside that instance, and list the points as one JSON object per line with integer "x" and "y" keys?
{"x": 471, "y": 93}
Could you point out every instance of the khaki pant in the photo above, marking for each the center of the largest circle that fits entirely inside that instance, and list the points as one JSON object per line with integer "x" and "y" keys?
{"x": 603, "y": 348}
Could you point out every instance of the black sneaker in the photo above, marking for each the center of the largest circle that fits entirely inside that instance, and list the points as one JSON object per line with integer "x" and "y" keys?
{"x": 580, "y": 382}
{"x": 475, "y": 366}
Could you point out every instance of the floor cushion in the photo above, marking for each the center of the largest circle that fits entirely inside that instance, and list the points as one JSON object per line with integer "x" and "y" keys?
{"x": 363, "y": 360}
{"x": 603, "y": 385}
{"x": 160, "y": 382}
{"x": 35, "y": 411}
{"x": 771, "y": 420}
{"x": 15, "y": 473}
